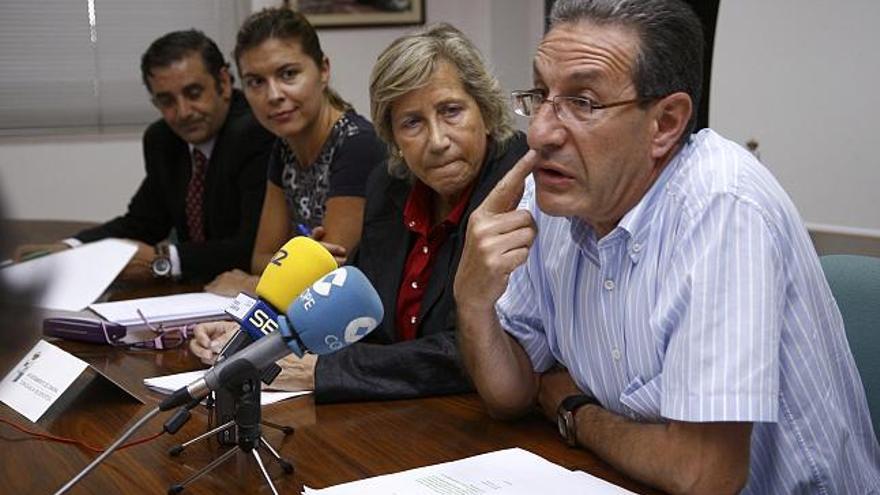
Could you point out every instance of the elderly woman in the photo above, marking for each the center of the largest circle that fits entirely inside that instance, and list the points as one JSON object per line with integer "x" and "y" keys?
{"x": 324, "y": 152}
{"x": 445, "y": 121}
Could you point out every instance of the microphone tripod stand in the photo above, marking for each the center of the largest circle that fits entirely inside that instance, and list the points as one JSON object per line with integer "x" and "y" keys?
{"x": 247, "y": 421}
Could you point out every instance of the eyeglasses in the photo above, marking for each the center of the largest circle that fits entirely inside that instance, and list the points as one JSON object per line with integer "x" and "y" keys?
{"x": 165, "y": 337}
{"x": 570, "y": 108}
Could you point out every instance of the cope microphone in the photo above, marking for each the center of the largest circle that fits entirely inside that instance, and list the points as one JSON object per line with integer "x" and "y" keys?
{"x": 337, "y": 310}
{"x": 298, "y": 264}
{"x": 294, "y": 267}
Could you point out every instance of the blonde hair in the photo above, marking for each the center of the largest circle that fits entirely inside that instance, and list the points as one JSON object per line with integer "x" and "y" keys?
{"x": 408, "y": 64}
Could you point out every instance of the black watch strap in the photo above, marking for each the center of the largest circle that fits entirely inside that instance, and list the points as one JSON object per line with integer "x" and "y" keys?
{"x": 573, "y": 402}
{"x": 565, "y": 419}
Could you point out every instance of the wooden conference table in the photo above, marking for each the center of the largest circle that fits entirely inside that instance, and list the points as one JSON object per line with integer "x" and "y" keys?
{"x": 332, "y": 443}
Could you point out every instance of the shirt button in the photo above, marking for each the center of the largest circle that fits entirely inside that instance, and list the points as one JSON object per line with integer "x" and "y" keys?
{"x": 637, "y": 247}
{"x": 425, "y": 249}
{"x": 615, "y": 353}
{"x": 413, "y": 320}
{"x": 414, "y": 285}
{"x": 609, "y": 284}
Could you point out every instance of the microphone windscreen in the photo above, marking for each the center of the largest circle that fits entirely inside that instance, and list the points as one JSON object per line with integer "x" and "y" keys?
{"x": 295, "y": 266}
{"x": 337, "y": 310}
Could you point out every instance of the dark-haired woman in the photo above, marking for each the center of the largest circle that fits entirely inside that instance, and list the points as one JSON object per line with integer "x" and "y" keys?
{"x": 324, "y": 152}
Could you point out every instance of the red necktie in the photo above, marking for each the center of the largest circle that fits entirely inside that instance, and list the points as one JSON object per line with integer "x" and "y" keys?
{"x": 195, "y": 194}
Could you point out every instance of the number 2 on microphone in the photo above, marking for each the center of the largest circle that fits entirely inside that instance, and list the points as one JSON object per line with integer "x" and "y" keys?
{"x": 280, "y": 255}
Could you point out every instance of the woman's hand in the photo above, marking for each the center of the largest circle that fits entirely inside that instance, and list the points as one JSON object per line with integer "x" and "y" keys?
{"x": 340, "y": 254}
{"x": 230, "y": 283}
{"x": 209, "y": 338}
{"x": 296, "y": 373}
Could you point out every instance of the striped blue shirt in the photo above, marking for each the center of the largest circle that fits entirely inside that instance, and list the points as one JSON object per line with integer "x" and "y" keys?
{"x": 706, "y": 303}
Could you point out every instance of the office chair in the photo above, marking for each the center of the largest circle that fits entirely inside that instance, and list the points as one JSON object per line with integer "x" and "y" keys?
{"x": 855, "y": 283}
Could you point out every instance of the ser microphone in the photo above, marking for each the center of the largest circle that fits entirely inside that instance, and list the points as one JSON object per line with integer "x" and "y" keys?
{"x": 298, "y": 264}
{"x": 294, "y": 267}
{"x": 336, "y": 311}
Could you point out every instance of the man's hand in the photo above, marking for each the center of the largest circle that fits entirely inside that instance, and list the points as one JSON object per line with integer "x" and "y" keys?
{"x": 30, "y": 251}
{"x": 140, "y": 266}
{"x": 230, "y": 283}
{"x": 209, "y": 338}
{"x": 339, "y": 253}
{"x": 296, "y": 373}
{"x": 498, "y": 240}
{"x": 554, "y": 386}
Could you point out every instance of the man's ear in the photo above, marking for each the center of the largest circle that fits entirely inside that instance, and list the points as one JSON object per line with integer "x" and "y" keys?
{"x": 671, "y": 116}
{"x": 225, "y": 83}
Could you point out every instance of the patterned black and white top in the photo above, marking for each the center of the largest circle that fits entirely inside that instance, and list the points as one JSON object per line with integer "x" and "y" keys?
{"x": 348, "y": 156}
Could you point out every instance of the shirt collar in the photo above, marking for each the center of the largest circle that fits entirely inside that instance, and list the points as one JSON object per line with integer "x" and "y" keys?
{"x": 636, "y": 223}
{"x": 206, "y": 148}
{"x": 419, "y": 205}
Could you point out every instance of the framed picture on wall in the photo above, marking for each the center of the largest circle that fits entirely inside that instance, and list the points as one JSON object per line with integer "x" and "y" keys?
{"x": 361, "y": 13}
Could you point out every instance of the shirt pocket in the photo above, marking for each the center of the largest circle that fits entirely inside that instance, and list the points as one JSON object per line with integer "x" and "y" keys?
{"x": 641, "y": 400}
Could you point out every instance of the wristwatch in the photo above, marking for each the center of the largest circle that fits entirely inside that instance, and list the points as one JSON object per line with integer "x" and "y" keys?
{"x": 161, "y": 265}
{"x": 565, "y": 416}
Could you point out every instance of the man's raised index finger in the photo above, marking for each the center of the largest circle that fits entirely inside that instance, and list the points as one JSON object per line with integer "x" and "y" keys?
{"x": 507, "y": 193}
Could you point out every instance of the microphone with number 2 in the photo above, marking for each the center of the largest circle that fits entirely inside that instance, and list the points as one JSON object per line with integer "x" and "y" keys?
{"x": 337, "y": 310}
{"x": 294, "y": 267}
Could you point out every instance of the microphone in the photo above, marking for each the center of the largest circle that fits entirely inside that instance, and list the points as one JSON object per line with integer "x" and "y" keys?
{"x": 293, "y": 268}
{"x": 339, "y": 309}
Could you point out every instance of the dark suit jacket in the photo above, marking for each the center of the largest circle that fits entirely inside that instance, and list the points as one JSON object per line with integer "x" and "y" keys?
{"x": 234, "y": 187}
{"x": 380, "y": 367}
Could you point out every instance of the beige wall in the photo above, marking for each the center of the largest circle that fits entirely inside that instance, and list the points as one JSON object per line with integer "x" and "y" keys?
{"x": 797, "y": 75}
{"x": 93, "y": 176}
{"x": 800, "y": 77}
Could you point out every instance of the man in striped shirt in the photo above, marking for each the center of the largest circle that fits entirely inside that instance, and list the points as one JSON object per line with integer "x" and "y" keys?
{"x": 657, "y": 290}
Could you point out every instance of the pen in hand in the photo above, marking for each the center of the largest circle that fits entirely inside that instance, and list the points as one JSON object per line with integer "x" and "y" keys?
{"x": 26, "y": 257}
{"x": 34, "y": 255}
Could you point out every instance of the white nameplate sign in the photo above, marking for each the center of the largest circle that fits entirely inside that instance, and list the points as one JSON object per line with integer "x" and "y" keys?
{"x": 39, "y": 379}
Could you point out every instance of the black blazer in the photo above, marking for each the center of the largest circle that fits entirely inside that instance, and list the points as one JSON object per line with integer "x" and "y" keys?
{"x": 234, "y": 187}
{"x": 380, "y": 367}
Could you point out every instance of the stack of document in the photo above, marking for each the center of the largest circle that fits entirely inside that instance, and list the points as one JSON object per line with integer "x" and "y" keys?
{"x": 505, "y": 472}
{"x": 177, "y": 309}
{"x": 170, "y": 383}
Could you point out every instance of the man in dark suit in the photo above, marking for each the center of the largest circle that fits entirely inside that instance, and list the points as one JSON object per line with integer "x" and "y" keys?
{"x": 196, "y": 213}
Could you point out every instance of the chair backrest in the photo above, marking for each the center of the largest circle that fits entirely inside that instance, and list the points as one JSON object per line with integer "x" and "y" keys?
{"x": 855, "y": 283}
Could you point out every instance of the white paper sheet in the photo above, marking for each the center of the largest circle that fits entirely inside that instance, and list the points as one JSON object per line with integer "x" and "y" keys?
{"x": 169, "y": 383}
{"x": 593, "y": 484}
{"x": 74, "y": 278}
{"x": 505, "y": 472}
{"x": 183, "y": 308}
{"x": 39, "y": 379}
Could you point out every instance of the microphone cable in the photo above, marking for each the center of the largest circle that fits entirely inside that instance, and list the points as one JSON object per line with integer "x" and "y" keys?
{"x": 109, "y": 451}
{"x": 72, "y": 441}
{"x": 171, "y": 426}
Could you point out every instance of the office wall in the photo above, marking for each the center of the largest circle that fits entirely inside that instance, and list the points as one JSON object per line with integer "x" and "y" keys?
{"x": 795, "y": 75}
{"x": 799, "y": 77}
{"x": 92, "y": 176}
